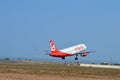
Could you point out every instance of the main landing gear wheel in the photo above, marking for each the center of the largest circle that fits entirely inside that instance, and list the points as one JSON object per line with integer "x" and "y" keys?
{"x": 76, "y": 58}
{"x": 63, "y": 57}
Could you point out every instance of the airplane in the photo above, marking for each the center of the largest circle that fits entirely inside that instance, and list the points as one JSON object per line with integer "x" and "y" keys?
{"x": 70, "y": 51}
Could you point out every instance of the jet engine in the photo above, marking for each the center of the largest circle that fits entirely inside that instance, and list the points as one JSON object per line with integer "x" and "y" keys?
{"x": 84, "y": 54}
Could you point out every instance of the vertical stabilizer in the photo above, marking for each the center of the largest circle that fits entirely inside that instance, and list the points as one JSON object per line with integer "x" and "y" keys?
{"x": 53, "y": 47}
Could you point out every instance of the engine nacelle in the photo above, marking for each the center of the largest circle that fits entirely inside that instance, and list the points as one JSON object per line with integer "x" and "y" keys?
{"x": 84, "y": 54}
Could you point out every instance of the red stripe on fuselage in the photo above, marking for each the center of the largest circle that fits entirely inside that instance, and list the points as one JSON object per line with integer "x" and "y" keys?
{"x": 59, "y": 54}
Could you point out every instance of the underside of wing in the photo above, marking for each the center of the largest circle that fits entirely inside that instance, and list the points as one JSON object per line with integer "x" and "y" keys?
{"x": 84, "y": 54}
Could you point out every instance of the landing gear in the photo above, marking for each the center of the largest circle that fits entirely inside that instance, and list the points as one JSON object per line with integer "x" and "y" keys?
{"x": 63, "y": 57}
{"x": 76, "y": 58}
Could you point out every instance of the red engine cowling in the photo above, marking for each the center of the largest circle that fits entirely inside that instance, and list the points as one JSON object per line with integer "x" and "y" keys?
{"x": 84, "y": 54}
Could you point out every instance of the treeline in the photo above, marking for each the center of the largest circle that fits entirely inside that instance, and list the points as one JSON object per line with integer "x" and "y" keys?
{"x": 18, "y": 59}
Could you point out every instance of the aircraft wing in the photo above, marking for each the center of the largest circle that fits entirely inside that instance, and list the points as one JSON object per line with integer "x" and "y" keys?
{"x": 89, "y": 52}
{"x": 86, "y": 52}
{"x": 83, "y": 54}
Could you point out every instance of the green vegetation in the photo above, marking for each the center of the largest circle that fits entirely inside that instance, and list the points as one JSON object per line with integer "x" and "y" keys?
{"x": 57, "y": 69}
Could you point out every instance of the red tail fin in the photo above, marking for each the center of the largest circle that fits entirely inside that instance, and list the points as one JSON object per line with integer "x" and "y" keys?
{"x": 53, "y": 47}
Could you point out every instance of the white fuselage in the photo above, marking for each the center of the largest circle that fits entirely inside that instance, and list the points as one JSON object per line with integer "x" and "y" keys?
{"x": 75, "y": 49}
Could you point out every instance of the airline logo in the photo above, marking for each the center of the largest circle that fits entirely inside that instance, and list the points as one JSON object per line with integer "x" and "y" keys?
{"x": 79, "y": 48}
{"x": 53, "y": 48}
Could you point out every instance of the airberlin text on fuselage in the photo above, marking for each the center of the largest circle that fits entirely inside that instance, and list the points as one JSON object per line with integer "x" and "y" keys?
{"x": 79, "y": 48}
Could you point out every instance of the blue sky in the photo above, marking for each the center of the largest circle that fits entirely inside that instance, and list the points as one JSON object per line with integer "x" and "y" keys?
{"x": 29, "y": 24}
